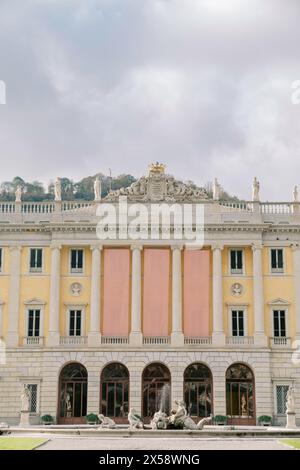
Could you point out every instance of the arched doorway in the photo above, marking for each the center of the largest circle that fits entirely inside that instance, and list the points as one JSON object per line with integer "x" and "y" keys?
{"x": 72, "y": 404}
{"x": 240, "y": 395}
{"x": 198, "y": 390}
{"x": 156, "y": 390}
{"x": 114, "y": 392}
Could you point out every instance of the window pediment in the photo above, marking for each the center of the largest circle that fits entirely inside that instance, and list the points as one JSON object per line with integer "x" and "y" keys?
{"x": 34, "y": 301}
{"x": 279, "y": 303}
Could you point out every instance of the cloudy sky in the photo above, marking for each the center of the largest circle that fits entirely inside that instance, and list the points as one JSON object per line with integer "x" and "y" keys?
{"x": 202, "y": 85}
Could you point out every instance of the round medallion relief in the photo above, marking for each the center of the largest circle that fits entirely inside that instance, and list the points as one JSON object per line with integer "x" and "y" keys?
{"x": 76, "y": 288}
{"x": 237, "y": 289}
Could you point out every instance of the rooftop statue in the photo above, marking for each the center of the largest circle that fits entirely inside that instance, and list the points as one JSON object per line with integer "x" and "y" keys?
{"x": 255, "y": 190}
{"x": 57, "y": 190}
{"x": 97, "y": 189}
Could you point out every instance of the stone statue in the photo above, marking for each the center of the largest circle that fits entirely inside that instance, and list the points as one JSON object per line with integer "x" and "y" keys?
{"x": 106, "y": 423}
{"x": 97, "y": 189}
{"x": 255, "y": 190}
{"x": 25, "y": 399}
{"x": 68, "y": 405}
{"x": 295, "y": 194}
{"x": 57, "y": 190}
{"x": 180, "y": 419}
{"x": 135, "y": 421}
{"x": 244, "y": 405}
{"x": 216, "y": 190}
{"x": 290, "y": 400}
{"x": 18, "y": 193}
{"x": 160, "y": 420}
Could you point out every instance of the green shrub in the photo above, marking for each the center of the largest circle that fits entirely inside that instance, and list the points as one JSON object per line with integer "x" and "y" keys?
{"x": 47, "y": 419}
{"x": 220, "y": 419}
{"x": 264, "y": 419}
{"x": 92, "y": 418}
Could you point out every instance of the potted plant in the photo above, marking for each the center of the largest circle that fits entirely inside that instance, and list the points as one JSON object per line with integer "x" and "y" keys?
{"x": 47, "y": 419}
{"x": 265, "y": 420}
{"x": 220, "y": 420}
{"x": 91, "y": 418}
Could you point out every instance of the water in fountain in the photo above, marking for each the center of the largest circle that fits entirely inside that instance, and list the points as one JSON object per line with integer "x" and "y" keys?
{"x": 164, "y": 401}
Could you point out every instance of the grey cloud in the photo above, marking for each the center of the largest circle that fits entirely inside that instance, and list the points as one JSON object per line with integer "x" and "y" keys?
{"x": 203, "y": 85}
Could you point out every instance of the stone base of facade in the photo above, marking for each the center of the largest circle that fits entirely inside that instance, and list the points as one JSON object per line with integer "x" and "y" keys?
{"x": 43, "y": 367}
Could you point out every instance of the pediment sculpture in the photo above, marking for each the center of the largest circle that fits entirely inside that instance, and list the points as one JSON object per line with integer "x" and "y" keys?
{"x": 157, "y": 187}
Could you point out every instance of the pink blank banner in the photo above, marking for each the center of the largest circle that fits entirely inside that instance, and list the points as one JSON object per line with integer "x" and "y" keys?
{"x": 116, "y": 292}
{"x": 156, "y": 292}
{"x": 196, "y": 293}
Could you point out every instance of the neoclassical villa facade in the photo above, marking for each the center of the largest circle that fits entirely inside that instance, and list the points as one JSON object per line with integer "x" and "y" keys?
{"x": 99, "y": 320}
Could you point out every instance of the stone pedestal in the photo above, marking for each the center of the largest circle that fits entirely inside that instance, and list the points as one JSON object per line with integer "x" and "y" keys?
{"x": 24, "y": 418}
{"x": 291, "y": 420}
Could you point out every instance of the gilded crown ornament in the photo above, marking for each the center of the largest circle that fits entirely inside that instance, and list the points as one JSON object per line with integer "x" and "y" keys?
{"x": 157, "y": 168}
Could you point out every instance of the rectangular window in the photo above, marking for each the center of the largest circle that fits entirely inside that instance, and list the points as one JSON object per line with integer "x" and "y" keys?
{"x": 281, "y": 393}
{"x": 34, "y": 317}
{"x": 36, "y": 259}
{"x": 238, "y": 323}
{"x": 277, "y": 260}
{"x": 33, "y": 388}
{"x": 1, "y": 257}
{"x": 279, "y": 323}
{"x": 76, "y": 261}
{"x": 75, "y": 323}
{"x": 236, "y": 261}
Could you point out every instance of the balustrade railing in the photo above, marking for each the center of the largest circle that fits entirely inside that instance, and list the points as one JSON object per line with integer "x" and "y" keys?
{"x": 73, "y": 340}
{"x": 198, "y": 340}
{"x": 280, "y": 341}
{"x": 156, "y": 340}
{"x": 33, "y": 341}
{"x": 111, "y": 340}
{"x": 239, "y": 340}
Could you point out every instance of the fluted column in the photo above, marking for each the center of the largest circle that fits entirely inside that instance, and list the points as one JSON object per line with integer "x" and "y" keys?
{"x": 177, "y": 337}
{"x": 54, "y": 305}
{"x": 218, "y": 336}
{"x": 136, "y": 336}
{"x": 258, "y": 300}
{"x": 296, "y": 259}
{"x": 94, "y": 335}
{"x": 12, "y": 338}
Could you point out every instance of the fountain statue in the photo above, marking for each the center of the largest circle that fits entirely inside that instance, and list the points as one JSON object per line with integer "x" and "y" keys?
{"x": 135, "y": 421}
{"x": 160, "y": 420}
{"x": 181, "y": 420}
{"x": 106, "y": 423}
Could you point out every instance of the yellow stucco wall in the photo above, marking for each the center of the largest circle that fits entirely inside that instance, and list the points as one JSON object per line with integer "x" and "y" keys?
{"x": 37, "y": 286}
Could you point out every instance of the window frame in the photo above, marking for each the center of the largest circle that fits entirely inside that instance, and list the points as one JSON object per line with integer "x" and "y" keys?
{"x": 277, "y": 382}
{"x": 34, "y": 310}
{"x": 238, "y": 307}
{"x": 277, "y": 271}
{"x": 33, "y": 381}
{"x": 33, "y": 270}
{"x": 34, "y": 304}
{"x": 236, "y": 272}
{"x": 76, "y": 271}
{"x": 279, "y": 309}
{"x": 76, "y": 307}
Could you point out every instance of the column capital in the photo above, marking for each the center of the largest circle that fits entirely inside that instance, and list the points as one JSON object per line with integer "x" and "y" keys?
{"x": 295, "y": 247}
{"x": 257, "y": 247}
{"x": 96, "y": 247}
{"x": 217, "y": 246}
{"x": 55, "y": 246}
{"x": 176, "y": 247}
{"x": 15, "y": 248}
{"x": 136, "y": 247}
